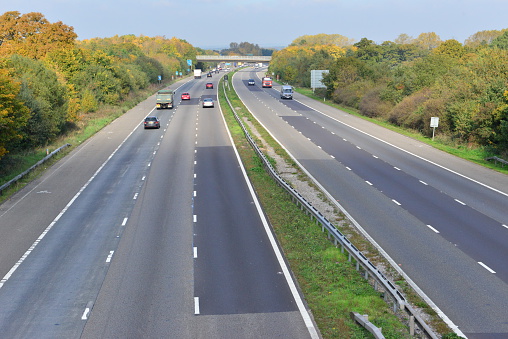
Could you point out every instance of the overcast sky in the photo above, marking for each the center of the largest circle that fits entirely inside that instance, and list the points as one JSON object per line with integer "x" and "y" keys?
{"x": 269, "y": 23}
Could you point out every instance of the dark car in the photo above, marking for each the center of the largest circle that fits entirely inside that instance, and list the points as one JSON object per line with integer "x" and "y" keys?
{"x": 209, "y": 75}
{"x": 152, "y": 122}
{"x": 251, "y": 82}
{"x": 209, "y": 85}
{"x": 208, "y": 102}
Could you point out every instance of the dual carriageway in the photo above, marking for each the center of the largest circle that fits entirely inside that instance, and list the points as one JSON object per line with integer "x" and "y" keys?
{"x": 144, "y": 233}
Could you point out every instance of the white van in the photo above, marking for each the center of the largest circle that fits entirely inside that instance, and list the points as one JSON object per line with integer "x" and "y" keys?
{"x": 286, "y": 92}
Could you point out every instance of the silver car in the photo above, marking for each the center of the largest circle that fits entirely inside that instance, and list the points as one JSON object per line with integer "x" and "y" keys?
{"x": 208, "y": 102}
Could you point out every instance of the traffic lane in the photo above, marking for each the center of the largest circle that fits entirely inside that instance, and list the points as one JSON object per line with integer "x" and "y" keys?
{"x": 50, "y": 290}
{"x": 47, "y": 195}
{"x": 148, "y": 291}
{"x": 228, "y": 209}
{"x": 477, "y": 235}
{"x": 236, "y": 270}
{"x": 410, "y": 243}
{"x": 487, "y": 201}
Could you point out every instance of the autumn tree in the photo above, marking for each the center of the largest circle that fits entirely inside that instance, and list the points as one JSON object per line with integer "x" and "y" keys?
{"x": 322, "y": 39}
{"x": 451, "y": 48}
{"x": 501, "y": 41}
{"x": 32, "y": 35}
{"x": 13, "y": 113}
{"x": 428, "y": 40}
{"x": 44, "y": 96}
{"x": 404, "y": 39}
{"x": 482, "y": 38}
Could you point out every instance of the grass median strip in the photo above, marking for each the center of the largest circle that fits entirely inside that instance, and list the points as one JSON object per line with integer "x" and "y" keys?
{"x": 330, "y": 283}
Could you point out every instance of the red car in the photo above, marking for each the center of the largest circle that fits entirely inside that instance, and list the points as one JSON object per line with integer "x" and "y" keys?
{"x": 209, "y": 85}
{"x": 185, "y": 96}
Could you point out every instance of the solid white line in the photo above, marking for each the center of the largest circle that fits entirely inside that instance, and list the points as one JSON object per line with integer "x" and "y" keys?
{"x": 196, "y": 305}
{"x": 486, "y": 267}
{"x": 460, "y": 202}
{"x": 432, "y": 228}
{"x": 289, "y": 279}
{"x": 124, "y": 221}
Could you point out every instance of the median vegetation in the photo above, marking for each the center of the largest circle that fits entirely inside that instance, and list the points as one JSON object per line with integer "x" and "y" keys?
{"x": 330, "y": 283}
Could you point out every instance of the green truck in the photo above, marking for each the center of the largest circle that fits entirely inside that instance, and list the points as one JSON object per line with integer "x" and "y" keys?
{"x": 164, "y": 99}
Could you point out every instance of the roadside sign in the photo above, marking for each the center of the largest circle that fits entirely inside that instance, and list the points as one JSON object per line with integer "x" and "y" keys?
{"x": 434, "y": 122}
{"x": 316, "y": 77}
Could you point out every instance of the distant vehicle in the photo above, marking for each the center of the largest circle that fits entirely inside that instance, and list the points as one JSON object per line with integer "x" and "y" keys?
{"x": 251, "y": 82}
{"x": 209, "y": 75}
{"x": 266, "y": 82}
{"x": 208, "y": 102}
{"x": 286, "y": 92}
{"x": 185, "y": 96}
{"x": 209, "y": 85}
{"x": 152, "y": 122}
{"x": 197, "y": 73}
{"x": 164, "y": 99}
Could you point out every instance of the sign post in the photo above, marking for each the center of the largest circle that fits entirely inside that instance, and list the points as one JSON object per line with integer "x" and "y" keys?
{"x": 434, "y": 122}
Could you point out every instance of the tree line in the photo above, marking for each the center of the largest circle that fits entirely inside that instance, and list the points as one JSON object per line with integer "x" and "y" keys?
{"x": 49, "y": 80}
{"x": 410, "y": 80}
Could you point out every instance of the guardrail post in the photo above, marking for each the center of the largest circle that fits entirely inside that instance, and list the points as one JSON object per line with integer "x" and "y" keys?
{"x": 411, "y": 325}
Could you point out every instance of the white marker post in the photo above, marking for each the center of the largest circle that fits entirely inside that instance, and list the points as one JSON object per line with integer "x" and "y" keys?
{"x": 434, "y": 122}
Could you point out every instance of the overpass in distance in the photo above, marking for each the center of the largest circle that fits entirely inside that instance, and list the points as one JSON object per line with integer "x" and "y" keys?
{"x": 233, "y": 58}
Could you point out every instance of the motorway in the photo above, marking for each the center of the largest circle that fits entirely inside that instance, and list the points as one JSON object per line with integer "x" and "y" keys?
{"x": 440, "y": 220}
{"x": 146, "y": 233}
